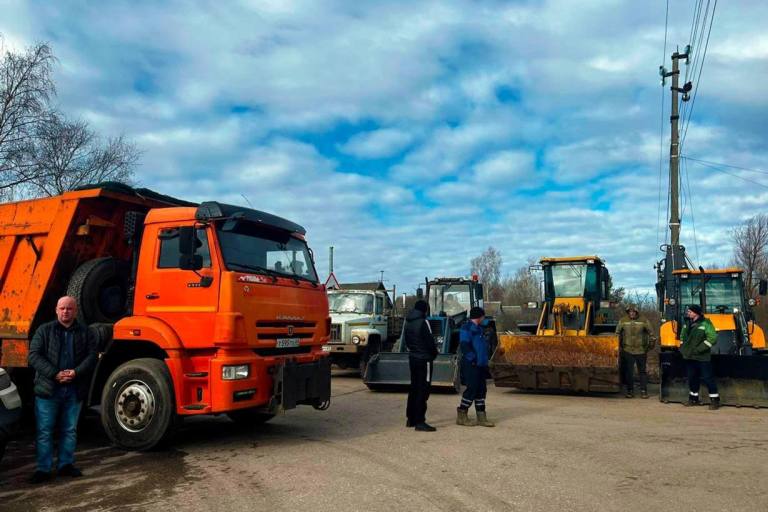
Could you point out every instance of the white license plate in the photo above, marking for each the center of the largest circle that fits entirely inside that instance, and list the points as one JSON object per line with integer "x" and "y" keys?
{"x": 326, "y": 348}
{"x": 287, "y": 342}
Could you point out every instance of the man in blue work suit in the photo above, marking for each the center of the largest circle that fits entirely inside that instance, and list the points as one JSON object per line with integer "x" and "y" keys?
{"x": 474, "y": 370}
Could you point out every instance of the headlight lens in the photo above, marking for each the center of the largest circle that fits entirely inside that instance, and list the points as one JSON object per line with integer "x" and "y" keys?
{"x": 356, "y": 340}
{"x": 235, "y": 372}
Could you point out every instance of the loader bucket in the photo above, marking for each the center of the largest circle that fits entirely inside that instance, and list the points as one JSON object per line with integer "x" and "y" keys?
{"x": 742, "y": 381}
{"x": 565, "y": 363}
{"x": 390, "y": 370}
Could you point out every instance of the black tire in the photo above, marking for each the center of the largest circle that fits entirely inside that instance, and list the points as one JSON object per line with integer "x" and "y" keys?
{"x": 121, "y": 403}
{"x": 249, "y": 417}
{"x": 103, "y": 334}
{"x": 100, "y": 287}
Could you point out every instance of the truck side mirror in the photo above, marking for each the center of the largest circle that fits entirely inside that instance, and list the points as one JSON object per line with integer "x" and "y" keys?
{"x": 479, "y": 292}
{"x": 419, "y": 293}
{"x": 188, "y": 243}
{"x": 763, "y": 287}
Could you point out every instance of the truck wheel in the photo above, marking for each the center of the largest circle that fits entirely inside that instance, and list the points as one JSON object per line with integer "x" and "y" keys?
{"x": 137, "y": 405}
{"x": 249, "y": 417}
{"x": 100, "y": 287}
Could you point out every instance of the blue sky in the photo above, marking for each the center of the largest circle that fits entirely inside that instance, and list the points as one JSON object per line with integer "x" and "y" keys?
{"x": 413, "y": 135}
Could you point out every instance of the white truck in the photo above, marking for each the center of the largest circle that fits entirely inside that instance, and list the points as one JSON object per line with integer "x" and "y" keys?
{"x": 364, "y": 321}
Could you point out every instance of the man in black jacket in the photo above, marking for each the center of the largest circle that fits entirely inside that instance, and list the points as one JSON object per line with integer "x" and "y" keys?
{"x": 63, "y": 355}
{"x": 422, "y": 350}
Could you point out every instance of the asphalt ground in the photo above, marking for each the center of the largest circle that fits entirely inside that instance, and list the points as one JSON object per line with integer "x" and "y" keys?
{"x": 548, "y": 452}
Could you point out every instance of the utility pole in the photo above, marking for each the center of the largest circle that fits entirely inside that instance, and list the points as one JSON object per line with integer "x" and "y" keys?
{"x": 674, "y": 146}
{"x": 674, "y": 257}
{"x": 330, "y": 260}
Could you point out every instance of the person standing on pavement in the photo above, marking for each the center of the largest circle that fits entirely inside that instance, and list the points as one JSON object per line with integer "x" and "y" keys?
{"x": 63, "y": 355}
{"x": 696, "y": 340}
{"x": 635, "y": 339}
{"x": 422, "y": 351}
{"x": 474, "y": 370}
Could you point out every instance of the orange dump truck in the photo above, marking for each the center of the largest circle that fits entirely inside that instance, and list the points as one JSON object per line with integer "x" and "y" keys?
{"x": 198, "y": 308}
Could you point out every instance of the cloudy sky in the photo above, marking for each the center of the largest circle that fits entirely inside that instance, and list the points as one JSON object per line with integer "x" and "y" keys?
{"x": 413, "y": 135}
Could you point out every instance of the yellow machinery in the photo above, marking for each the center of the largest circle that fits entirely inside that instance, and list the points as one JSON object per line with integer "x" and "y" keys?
{"x": 572, "y": 347}
{"x": 738, "y": 359}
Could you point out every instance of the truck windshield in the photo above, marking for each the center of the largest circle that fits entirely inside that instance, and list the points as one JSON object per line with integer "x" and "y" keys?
{"x": 350, "y": 303}
{"x": 252, "y": 248}
{"x": 569, "y": 280}
{"x": 722, "y": 293}
{"x": 449, "y": 298}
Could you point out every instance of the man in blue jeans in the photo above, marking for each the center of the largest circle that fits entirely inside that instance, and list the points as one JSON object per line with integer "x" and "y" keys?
{"x": 63, "y": 355}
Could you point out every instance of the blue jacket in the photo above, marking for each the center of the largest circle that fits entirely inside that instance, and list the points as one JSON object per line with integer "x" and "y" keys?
{"x": 474, "y": 347}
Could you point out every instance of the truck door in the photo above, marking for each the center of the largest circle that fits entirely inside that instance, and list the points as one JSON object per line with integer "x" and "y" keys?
{"x": 181, "y": 298}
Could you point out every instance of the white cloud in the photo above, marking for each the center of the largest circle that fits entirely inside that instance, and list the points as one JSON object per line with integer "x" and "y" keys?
{"x": 377, "y": 144}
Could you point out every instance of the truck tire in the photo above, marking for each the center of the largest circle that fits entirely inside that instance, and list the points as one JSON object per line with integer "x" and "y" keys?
{"x": 249, "y": 417}
{"x": 138, "y": 409}
{"x": 100, "y": 287}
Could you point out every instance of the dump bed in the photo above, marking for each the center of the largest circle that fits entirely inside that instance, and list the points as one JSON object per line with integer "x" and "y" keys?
{"x": 43, "y": 241}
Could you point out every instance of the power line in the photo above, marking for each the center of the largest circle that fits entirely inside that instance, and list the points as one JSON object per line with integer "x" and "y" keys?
{"x": 719, "y": 164}
{"x": 661, "y": 127}
{"x": 698, "y": 79}
{"x": 718, "y": 169}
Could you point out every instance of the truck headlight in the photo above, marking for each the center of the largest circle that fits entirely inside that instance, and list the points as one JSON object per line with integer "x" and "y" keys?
{"x": 356, "y": 340}
{"x": 235, "y": 372}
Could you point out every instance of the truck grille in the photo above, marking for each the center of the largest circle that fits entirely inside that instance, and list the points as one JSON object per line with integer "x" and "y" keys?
{"x": 274, "y": 329}
{"x": 335, "y": 333}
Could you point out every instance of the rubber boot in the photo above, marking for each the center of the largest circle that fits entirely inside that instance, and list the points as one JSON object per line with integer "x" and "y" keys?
{"x": 692, "y": 401}
{"x": 714, "y": 403}
{"x": 462, "y": 418}
{"x": 482, "y": 420}
{"x": 643, "y": 393}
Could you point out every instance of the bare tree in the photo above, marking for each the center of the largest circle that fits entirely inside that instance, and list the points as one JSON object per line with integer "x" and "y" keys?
{"x": 750, "y": 241}
{"x": 488, "y": 268}
{"x": 26, "y": 88}
{"x": 68, "y": 154}
{"x": 521, "y": 287}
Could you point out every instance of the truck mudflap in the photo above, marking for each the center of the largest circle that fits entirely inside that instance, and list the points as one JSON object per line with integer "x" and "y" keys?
{"x": 564, "y": 363}
{"x": 301, "y": 384}
{"x": 391, "y": 370}
{"x": 742, "y": 381}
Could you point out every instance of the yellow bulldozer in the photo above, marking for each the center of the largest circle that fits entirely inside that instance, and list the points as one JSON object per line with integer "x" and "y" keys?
{"x": 573, "y": 347}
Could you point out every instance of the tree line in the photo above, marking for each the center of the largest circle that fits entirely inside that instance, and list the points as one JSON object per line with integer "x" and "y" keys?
{"x": 42, "y": 151}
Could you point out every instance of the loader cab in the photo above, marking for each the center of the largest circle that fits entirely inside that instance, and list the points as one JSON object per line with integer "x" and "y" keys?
{"x": 450, "y": 300}
{"x": 576, "y": 280}
{"x": 723, "y": 298}
{"x": 575, "y": 290}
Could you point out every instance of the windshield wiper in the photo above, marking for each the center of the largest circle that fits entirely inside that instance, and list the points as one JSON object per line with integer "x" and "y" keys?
{"x": 302, "y": 278}
{"x": 257, "y": 269}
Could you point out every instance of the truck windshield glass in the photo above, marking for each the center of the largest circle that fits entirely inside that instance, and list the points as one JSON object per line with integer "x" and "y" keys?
{"x": 449, "y": 298}
{"x": 249, "y": 248}
{"x": 722, "y": 293}
{"x": 350, "y": 303}
{"x": 568, "y": 280}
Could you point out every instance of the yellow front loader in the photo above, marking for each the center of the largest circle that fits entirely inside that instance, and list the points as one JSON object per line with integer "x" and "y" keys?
{"x": 572, "y": 347}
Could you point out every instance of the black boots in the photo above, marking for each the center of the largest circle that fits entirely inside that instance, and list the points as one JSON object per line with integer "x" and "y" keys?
{"x": 692, "y": 400}
{"x": 714, "y": 403}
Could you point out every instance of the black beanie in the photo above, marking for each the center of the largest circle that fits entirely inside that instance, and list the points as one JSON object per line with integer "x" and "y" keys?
{"x": 476, "y": 312}
{"x": 696, "y": 309}
{"x": 421, "y": 305}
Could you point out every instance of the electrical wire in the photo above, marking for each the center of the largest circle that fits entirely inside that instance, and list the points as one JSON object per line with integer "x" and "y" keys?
{"x": 719, "y": 164}
{"x": 690, "y": 201}
{"x": 698, "y": 79}
{"x": 718, "y": 169}
{"x": 661, "y": 127}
